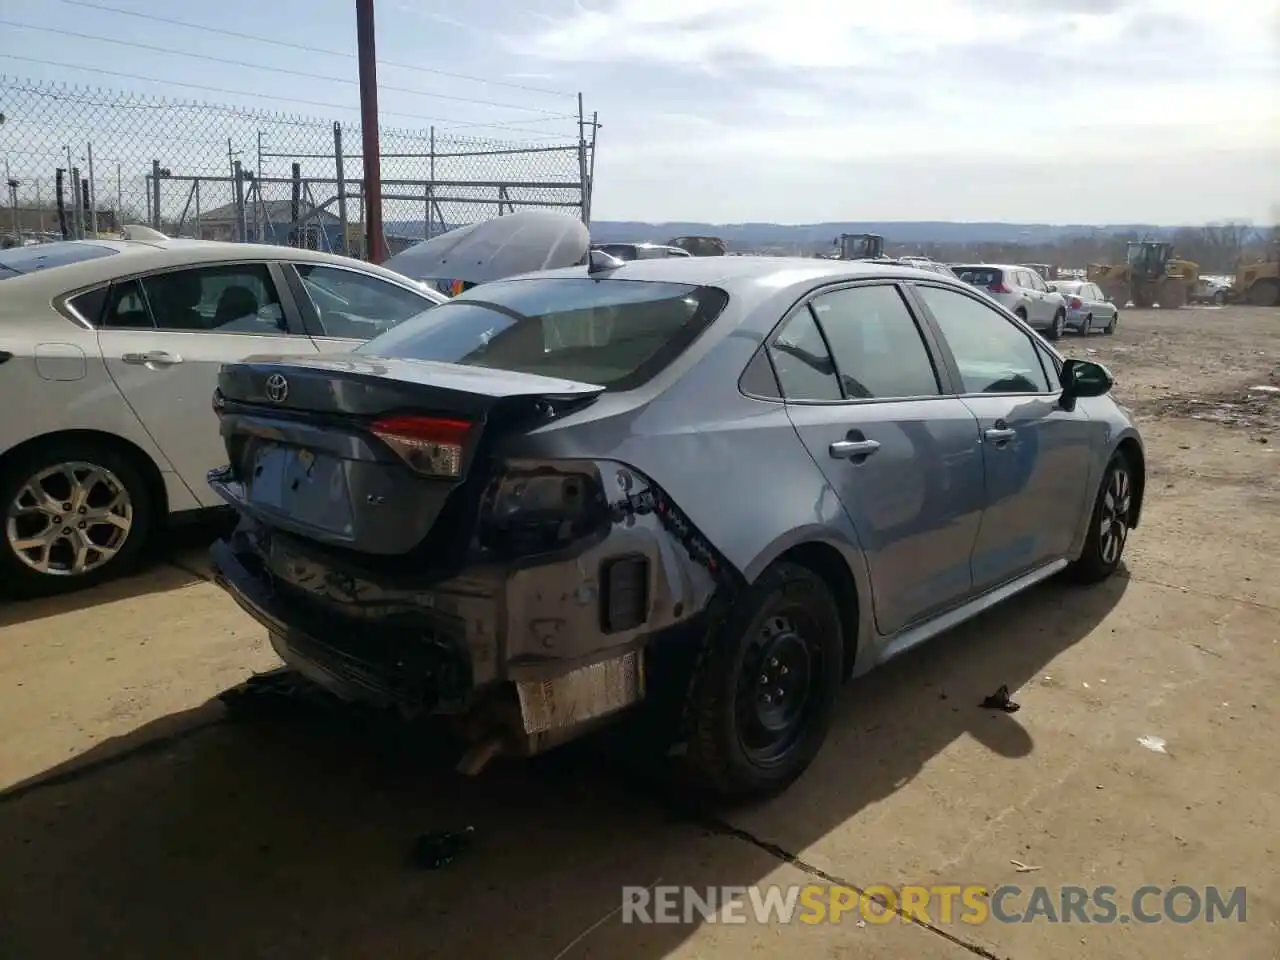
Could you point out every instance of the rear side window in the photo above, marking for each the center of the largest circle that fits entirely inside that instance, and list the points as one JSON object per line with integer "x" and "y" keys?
{"x": 978, "y": 276}
{"x": 803, "y": 362}
{"x": 45, "y": 256}
{"x": 615, "y": 333}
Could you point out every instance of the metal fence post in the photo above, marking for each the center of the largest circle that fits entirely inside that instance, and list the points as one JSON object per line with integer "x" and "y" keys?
{"x": 155, "y": 194}
{"x": 295, "y": 198}
{"x": 342, "y": 186}
{"x": 93, "y": 192}
{"x": 77, "y": 213}
{"x": 242, "y": 226}
{"x": 61, "y": 200}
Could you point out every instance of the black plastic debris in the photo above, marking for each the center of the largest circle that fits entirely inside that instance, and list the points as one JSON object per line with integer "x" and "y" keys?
{"x": 1000, "y": 700}
{"x": 438, "y": 849}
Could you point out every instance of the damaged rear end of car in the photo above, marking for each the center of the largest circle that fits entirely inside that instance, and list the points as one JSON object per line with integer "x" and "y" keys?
{"x": 433, "y": 525}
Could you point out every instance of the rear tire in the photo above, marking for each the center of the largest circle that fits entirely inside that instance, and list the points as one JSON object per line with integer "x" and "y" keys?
{"x": 1087, "y": 327}
{"x": 1058, "y": 325}
{"x": 763, "y": 691}
{"x": 1109, "y": 524}
{"x": 1220, "y": 298}
{"x": 73, "y": 514}
{"x": 1110, "y": 328}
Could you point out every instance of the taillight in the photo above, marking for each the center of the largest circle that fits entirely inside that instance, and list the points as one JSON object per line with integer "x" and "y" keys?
{"x": 1074, "y": 303}
{"x": 431, "y": 446}
{"x": 998, "y": 287}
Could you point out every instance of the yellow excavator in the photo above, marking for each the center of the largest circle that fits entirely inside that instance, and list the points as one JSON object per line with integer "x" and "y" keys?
{"x": 1150, "y": 276}
{"x": 1258, "y": 283}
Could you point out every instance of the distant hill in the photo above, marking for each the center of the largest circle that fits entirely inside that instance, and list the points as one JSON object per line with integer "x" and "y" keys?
{"x": 747, "y": 236}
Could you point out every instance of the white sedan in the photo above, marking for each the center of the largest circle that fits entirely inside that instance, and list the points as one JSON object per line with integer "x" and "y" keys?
{"x": 109, "y": 354}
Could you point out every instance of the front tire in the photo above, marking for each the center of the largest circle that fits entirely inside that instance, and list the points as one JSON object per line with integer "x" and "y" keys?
{"x": 1109, "y": 524}
{"x": 763, "y": 692}
{"x": 74, "y": 514}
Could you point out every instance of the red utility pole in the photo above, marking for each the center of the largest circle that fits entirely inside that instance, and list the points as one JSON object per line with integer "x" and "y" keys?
{"x": 376, "y": 252}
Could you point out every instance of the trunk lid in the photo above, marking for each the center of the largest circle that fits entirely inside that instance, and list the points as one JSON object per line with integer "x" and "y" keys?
{"x": 370, "y": 454}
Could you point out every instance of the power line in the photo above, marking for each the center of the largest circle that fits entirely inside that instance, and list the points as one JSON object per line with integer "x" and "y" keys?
{"x": 309, "y": 49}
{"x": 255, "y": 66}
{"x": 456, "y": 124}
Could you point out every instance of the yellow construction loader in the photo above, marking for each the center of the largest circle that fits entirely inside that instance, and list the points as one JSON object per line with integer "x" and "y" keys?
{"x": 1150, "y": 276}
{"x": 1258, "y": 283}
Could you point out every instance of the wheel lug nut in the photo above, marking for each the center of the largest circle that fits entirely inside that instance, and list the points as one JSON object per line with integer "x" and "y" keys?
{"x": 83, "y": 511}
{"x": 773, "y": 661}
{"x": 81, "y": 525}
{"x": 66, "y": 506}
{"x": 57, "y": 520}
{"x": 784, "y": 671}
{"x": 778, "y": 693}
{"x": 66, "y": 530}
{"x": 768, "y": 699}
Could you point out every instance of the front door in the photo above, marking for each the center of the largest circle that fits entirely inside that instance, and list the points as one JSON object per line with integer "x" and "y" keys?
{"x": 866, "y": 401}
{"x": 163, "y": 338}
{"x": 1036, "y": 455}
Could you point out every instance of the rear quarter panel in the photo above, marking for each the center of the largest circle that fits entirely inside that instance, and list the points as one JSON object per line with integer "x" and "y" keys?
{"x": 56, "y": 381}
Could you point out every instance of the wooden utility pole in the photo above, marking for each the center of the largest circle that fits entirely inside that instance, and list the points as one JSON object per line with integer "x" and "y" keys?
{"x": 369, "y": 128}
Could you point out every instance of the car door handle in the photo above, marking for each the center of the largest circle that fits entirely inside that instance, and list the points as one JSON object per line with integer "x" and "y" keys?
{"x": 851, "y": 449}
{"x": 159, "y": 358}
{"x": 1000, "y": 434}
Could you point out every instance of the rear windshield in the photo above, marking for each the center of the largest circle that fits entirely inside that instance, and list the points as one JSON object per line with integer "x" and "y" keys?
{"x": 1066, "y": 286}
{"x": 42, "y": 256}
{"x": 614, "y": 333}
{"x": 979, "y": 276}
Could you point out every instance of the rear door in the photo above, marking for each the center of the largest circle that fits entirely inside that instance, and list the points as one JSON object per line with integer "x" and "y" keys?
{"x": 872, "y": 409}
{"x": 342, "y": 308}
{"x": 1036, "y": 455}
{"x": 163, "y": 337}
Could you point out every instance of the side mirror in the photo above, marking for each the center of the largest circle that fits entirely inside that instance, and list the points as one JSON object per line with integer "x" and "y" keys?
{"x": 1083, "y": 378}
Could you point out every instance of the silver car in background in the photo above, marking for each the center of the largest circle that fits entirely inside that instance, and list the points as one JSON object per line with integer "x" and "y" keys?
{"x": 1088, "y": 308}
{"x": 1022, "y": 291}
{"x": 704, "y": 489}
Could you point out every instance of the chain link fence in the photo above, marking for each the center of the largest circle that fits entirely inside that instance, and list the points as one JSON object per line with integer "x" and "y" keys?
{"x": 83, "y": 162}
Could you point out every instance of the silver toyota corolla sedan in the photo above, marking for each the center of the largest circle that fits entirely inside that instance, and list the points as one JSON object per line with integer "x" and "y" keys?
{"x": 711, "y": 488}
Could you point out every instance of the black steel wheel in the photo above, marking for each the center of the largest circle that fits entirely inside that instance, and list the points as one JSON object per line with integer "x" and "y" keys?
{"x": 762, "y": 694}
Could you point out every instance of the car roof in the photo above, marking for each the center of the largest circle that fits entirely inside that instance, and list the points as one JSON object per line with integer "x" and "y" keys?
{"x": 730, "y": 271}
{"x": 990, "y": 266}
{"x": 139, "y": 256}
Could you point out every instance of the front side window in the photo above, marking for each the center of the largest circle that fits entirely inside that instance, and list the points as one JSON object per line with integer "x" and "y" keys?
{"x": 877, "y": 347}
{"x": 993, "y": 355}
{"x": 227, "y": 298}
{"x": 355, "y": 306}
{"x": 615, "y": 333}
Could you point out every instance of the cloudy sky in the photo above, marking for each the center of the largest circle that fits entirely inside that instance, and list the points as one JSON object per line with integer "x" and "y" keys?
{"x": 1075, "y": 111}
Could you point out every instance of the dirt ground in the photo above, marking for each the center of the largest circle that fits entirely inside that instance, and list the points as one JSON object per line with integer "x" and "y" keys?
{"x": 140, "y": 819}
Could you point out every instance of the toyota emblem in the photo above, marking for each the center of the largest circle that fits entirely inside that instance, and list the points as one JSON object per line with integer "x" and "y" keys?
{"x": 277, "y": 388}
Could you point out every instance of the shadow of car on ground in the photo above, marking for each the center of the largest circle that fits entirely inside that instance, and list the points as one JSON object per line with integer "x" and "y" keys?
{"x": 286, "y": 832}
